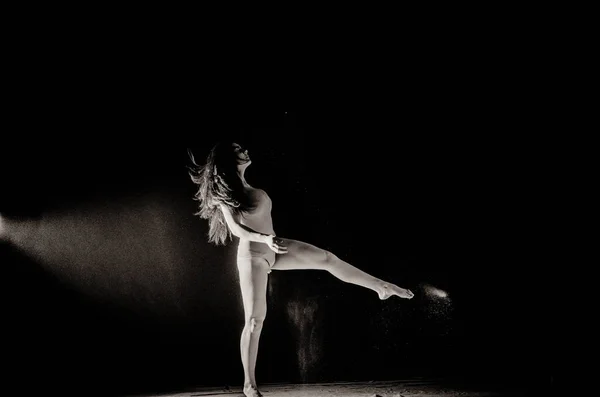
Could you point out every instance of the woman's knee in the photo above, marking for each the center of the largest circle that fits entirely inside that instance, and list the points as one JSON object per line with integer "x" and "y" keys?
{"x": 255, "y": 322}
{"x": 317, "y": 255}
{"x": 329, "y": 260}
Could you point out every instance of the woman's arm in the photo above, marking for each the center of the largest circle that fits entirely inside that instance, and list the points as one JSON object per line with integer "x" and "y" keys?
{"x": 243, "y": 232}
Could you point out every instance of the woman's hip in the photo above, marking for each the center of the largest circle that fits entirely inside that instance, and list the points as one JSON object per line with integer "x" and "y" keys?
{"x": 249, "y": 255}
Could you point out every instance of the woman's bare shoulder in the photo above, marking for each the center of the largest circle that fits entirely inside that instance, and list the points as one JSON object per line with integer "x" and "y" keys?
{"x": 253, "y": 191}
{"x": 263, "y": 192}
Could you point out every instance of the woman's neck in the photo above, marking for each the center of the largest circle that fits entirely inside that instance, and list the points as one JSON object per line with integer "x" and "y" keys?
{"x": 241, "y": 169}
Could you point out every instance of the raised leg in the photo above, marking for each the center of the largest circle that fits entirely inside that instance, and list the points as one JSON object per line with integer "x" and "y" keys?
{"x": 253, "y": 282}
{"x": 304, "y": 256}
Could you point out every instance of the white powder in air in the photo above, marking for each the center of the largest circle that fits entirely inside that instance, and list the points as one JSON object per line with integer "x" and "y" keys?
{"x": 436, "y": 292}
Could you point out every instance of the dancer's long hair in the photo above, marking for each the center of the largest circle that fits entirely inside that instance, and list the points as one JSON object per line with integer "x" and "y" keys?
{"x": 218, "y": 183}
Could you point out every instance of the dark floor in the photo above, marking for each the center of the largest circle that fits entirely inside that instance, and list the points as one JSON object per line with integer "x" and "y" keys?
{"x": 400, "y": 388}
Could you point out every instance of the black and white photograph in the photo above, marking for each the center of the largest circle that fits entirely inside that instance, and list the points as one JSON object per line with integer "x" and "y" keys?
{"x": 153, "y": 247}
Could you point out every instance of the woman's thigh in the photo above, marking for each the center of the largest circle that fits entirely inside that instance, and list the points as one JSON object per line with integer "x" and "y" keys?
{"x": 301, "y": 256}
{"x": 253, "y": 275}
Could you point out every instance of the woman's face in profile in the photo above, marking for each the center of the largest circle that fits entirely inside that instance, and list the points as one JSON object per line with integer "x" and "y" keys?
{"x": 241, "y": 154}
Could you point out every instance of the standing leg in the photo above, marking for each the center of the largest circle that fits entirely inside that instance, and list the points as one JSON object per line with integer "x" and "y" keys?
{"x": 253, "y": 283}
{"x": 303, "y": 256}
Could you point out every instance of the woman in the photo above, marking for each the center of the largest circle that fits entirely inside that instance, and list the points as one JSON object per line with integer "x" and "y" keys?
{"x": 232, "y": 206}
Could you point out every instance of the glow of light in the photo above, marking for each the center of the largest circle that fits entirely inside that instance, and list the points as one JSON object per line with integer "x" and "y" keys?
{"x": 124, "y": 251}
{"x": 435, "y": 292}
{"x": 1, "y": 227}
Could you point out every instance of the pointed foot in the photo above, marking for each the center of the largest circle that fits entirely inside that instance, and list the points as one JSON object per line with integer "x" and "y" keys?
{"x": 388, "y": 290}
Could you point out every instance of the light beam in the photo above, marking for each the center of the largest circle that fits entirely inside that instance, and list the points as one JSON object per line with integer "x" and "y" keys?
{"x": 123, "y": 251}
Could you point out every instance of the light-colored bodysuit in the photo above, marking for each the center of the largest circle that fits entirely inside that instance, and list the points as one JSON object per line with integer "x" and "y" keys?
{"x": 258, "y": 219}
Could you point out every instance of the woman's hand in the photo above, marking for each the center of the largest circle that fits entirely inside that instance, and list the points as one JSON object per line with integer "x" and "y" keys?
{"x": 276, "y": 244}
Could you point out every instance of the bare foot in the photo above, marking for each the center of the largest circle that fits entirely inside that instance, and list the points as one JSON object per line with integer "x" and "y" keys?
{"x": 251, "y": 391}
{"x": 388, "y": 290}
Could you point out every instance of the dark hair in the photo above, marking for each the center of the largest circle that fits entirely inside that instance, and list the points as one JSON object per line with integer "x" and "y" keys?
{"x": 218, "y": 183}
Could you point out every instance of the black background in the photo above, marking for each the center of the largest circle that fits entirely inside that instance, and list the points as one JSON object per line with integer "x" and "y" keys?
{"x": 444, "y": 187}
